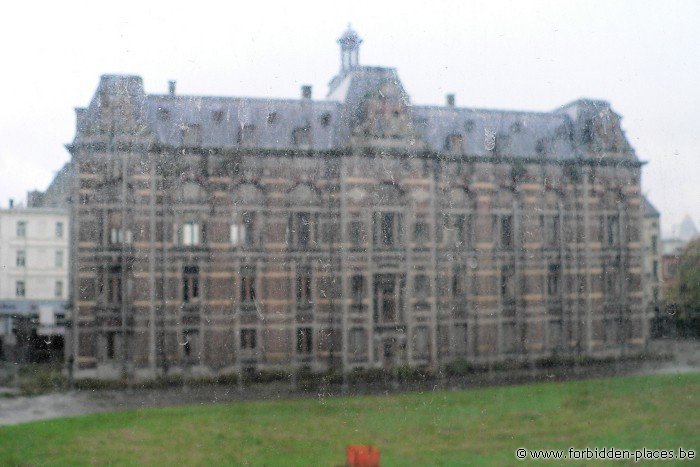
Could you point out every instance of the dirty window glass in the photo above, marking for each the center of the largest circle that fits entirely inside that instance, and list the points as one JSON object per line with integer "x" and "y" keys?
{"x": 312, "y": 229}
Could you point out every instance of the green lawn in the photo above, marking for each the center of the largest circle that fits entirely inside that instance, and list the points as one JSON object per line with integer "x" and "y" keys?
{"x": 444, "y": 427}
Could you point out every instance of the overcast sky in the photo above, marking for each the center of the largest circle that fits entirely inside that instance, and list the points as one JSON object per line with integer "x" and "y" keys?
{"x": 643, "y": 57}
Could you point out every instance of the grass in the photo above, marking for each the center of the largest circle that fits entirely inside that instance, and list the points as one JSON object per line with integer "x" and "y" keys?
{"x": 443, "y": 427}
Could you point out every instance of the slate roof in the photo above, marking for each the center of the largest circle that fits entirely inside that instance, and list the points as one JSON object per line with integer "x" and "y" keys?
{"x": 517, "y": 134}
{"x": 220, "y": 121}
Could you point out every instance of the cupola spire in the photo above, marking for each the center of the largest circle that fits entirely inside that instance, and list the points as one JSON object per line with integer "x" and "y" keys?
{"x": 349, "y": 49}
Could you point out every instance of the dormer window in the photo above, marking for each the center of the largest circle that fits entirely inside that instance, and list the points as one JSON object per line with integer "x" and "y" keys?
{"x": 272, "y": 118}
{"x": 453, "y": 143}
{"x": 191, "y": 135}
{"x": 469, "y": 126}
{"x": 247, "y": 136}
{"x": 217, "y": 116}
{"x": 325, "y": 119}
{"x": 163, "y": 114}
{"x": 301, "y": 136}
{"x": 516, "y": 127}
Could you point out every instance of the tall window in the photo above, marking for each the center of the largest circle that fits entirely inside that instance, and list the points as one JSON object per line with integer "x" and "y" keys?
{"x": 302, "y": 229}
{"x": 118, "y": 236}
{"x": 58, "y": 259}
{"x": 304, "y": 340}
{"x": 190, "y": 234}
{"x": 503, "y": 231}
{"x": 248, "y": 339}
{"x": 461, "y": 336}
{"x": 303, "y": 287}
{"x": 357, "y": 288}
{"x": 458, "y": 290}
{"x": 58, "y": 289}
{"x": 610, "y": 226}
{"x": 357, "y": 342}
{"x": 247, "y": 285}
{"x": 387, "y": 228}
{"x": 385, "y": 298}
{"x": 238, "y": 234}
{"x": 553, "y": 280}
{"x": 249, "y": 232}
{"x": 22, "y": 229}
{"x": 21, "y": 259}
{"x": 357, "y": 233}
{"x": 190, "y": 284}
{"x": 422, "y": 287}
{"x": 421, "y": 232}
{"x": 20, "y": 290}
{"x": 654, "y": 244}
{"x": 110, "y": 338}
{"x": 243, "y": 231}
{"x": 59, "y": 229}
{"x": 507, "y": 287}
{"x": 550, "y": 230}
{"x": 114, "y": 284}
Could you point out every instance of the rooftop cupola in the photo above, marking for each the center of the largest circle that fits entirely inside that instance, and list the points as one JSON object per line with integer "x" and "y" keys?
{"x": 349, "y": 49}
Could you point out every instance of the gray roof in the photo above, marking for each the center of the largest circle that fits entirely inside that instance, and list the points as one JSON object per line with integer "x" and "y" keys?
{"x": 223, "y": 122}
{"x": 517, "y": 134}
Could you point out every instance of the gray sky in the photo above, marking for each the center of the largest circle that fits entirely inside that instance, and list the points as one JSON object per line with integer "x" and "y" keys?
{"x": 643, "y": 57}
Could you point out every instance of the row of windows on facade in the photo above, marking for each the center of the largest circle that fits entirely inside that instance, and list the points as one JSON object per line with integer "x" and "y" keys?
{"x": 21, "y": 289}
{"x": 304, "y": 341}
{"x": 387, "y": 231}
{"x": 248, "y": 341}
{"x": 22, "y": 229}
{"x": 21, "y": 258}
{"x": 385, "y": 287}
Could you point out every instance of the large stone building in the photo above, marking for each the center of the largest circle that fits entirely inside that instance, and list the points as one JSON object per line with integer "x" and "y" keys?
{"x": 219, "y": 234}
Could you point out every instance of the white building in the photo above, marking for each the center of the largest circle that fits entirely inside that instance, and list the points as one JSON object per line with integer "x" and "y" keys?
{"x": 33, "y": 269}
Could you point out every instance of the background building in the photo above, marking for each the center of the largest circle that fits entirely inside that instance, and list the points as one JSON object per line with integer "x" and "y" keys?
{"x": 651, "y": 265}
{"x": 33, "y": 280}
{"x": 216, "y": 234}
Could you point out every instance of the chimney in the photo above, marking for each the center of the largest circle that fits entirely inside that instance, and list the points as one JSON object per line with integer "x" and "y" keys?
{"x": 306, "y": 91}
{"x": 12, "y": 203}
{"x": 171, "y": 88}
{"x": 450, "y": 100}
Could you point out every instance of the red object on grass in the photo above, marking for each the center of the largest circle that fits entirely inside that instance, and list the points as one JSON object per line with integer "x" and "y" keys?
{"x": 362, "y": 455}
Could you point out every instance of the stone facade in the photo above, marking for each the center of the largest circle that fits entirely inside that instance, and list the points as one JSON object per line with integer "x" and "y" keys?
{"x": 216, "y": 234}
